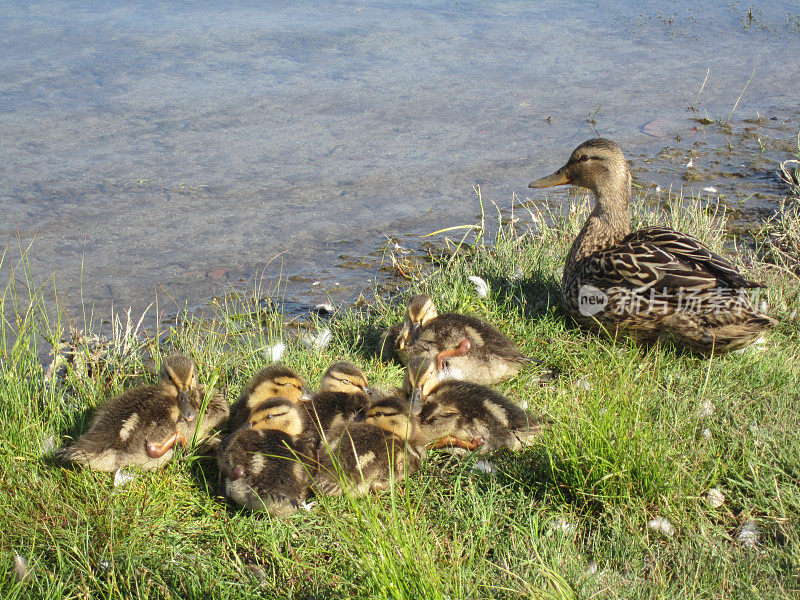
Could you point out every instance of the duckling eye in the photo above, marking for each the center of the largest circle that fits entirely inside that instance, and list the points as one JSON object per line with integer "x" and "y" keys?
{"x": 377, "y": 414}
{"x": 583, "y": 158}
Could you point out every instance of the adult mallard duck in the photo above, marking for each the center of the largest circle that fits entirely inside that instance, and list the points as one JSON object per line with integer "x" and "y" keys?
{"x": 654, "y": 283}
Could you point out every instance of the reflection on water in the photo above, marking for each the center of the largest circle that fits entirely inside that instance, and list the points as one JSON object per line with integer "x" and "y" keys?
{"x": 170, "y": 149}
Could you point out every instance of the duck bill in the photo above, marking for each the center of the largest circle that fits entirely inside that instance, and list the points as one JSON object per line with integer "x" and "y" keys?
{"x": 557, "y": 178}
{"x": 416, "y": 401}
{"x": 188, "y": 412}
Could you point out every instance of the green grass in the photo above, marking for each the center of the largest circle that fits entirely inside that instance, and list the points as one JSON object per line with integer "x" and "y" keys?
{"x": 566, "y": 519}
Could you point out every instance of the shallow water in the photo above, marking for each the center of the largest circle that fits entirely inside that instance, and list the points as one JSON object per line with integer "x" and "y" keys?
{"x": 174, "y": 150}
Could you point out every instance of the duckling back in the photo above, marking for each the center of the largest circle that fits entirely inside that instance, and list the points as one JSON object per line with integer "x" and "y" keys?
{"x": 343, "y": 397}
{"x": 362, "y": 459}
{"x": 471, "y": 415}
{"x": 121, "y": 430}
{"x": 127, "y": 429}
{"x": 265, "y": 470}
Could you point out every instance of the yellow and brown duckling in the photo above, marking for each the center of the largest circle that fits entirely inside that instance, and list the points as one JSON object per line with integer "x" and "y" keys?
{"x": 368, "y": 455}
{"x": 273, "y": 381}
{"x": 343, "y": 396}
{"x": 464, "y": 347}
{"x": 655, "y": 283}
{"x": 142, "y": 426}
{"x": 266, "y": 463}
{"x": 466, "y": 415}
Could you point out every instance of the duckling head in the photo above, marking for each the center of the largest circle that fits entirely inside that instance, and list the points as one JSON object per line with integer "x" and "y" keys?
{"x": 420, "y": 311}
{"x": 596, "y": 164}
{"x": 393, "y": 414}
{"x": 275, "y": 381}
{"x": 179, "y": 378}
{"x": 345, "y": 377}
{"x": 280, "y": 414}
{"x": 420, "y": 380}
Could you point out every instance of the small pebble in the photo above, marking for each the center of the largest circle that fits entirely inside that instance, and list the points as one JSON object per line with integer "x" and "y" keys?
{"x": 749, "y": 534}
{"x": 715, "y": 498}
{"x": 481, "y": 287}
{"x": 658, "y": 189}
{"x": 584, "y": 384}
{"x": 706, "y": 434}
{"x": 661, "y": 525}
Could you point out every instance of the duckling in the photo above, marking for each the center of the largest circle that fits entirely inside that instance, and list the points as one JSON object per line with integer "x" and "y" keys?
{"x": 466, "y": 415}
{"x": 273, "y": 381}
{"x": 265, "y": 464}
{"x": 655, "y": 283}
{"x": 142, "y": 426}
{"x": 368, "y": 455}
{"x": 344, "y": 394}
{"x": 463, "y": 346}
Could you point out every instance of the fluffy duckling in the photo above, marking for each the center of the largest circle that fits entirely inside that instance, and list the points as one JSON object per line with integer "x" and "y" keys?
{"x": 344, "y": 394}
{"x": 464, "y": 347}
{"x": 265, "y": 464}
{"x": 466, "y": 415}
{"x": 368, "y": 455}
{"x": 273, "y": 381}
{"x": 142, "y": 426}
{"x": 654, "y": 283}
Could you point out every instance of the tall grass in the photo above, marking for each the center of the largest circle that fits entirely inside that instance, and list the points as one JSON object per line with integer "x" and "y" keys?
{"x": 636, "y": 435}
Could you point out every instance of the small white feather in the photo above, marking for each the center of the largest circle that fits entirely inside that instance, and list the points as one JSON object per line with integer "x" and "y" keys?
{"x": 749, "y": 534}
{"x": 711, "y": 189}
{"x": 661, "y": 525}
{"x": 707, "y": 409}
{"x": 123, "y": 476}
{"x": 22, "y": 569}
{"x": 276, "y": 351}
{"x": 481, "y": 287}
{"x": 318, "y": 341}
{"x": 484, "y": 466}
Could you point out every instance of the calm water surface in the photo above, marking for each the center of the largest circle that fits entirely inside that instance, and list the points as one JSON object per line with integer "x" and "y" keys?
{"x": 174, "y": 149}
